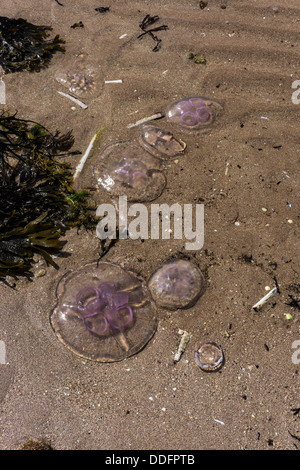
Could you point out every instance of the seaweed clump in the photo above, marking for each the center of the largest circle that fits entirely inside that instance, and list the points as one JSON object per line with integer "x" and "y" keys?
{"x": 25, "y": 46}
{"x": 41, "y": 444}
{"x": 39, "y": 203}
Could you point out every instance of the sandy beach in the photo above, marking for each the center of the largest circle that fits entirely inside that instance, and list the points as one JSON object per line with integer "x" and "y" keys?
{"x": 244, "y": 169}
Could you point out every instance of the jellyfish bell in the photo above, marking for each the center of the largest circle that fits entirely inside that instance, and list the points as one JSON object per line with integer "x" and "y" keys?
{"x": 81, "y": 79}
{"x": 209, "y": 356}
{"x": 193, "y": 114}
{"x": 126, "y": 169}
{"x": 176, "y": 284}
{"x": 103, "y": 313}
{"x": 160, "y": 143}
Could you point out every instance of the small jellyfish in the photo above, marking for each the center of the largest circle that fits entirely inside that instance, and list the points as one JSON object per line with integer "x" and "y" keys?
{"x": 193, "y": 114}
{"x": 209, "y": 356}
{"x": 125, "y": 169}
{"x": 78, "y": 82}
{"x": 160, "y": 143}
{"x": 176, "y": 284}
{"x": 103, "y": 312}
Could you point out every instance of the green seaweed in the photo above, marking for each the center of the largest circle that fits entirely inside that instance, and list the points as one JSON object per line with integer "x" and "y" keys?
{"x": 39, "y": 202}
{"x": 25, "y": 46}
{"x": 199, "y": 60}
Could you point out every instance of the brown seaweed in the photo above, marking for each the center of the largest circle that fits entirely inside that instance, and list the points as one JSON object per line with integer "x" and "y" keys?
{"x": 25, "y": 46}
{"x": 148, "y": 21}
{"x": 36, "y": 185}
{"x": 102, "y": 9}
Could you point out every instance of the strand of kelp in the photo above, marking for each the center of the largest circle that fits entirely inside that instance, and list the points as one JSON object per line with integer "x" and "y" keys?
{"x": 40, "y": 202}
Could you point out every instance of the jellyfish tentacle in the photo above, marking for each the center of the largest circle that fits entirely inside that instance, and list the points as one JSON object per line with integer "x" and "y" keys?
{"x": 107, "y": 303}
{"x": 82, "y": 293}
{"x": 98, "y": 333}
{"x": 126, "y": 307}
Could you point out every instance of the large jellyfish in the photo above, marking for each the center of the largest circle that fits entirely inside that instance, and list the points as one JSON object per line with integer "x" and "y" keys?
{"x": 193, "y": 114}
{"x": 176, "y": 284}
{"x": 103, "y": 312}
{"x": 126, "y": 169}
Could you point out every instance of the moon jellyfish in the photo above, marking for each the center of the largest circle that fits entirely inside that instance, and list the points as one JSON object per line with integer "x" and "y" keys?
{"x": 79, "y": 82}
{"x": 160, "y": 143}
{"x": 103, "y": 312}
{"x": 176, "y": 284}
{"x": 193, "y": 114}
{"x": 125, "y": 169}
{"x": 209, "y": 356}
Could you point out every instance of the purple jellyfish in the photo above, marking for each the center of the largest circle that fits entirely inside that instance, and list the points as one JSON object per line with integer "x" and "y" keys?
{"x": 193, "y": 114}
{"x": 103, "y": 312}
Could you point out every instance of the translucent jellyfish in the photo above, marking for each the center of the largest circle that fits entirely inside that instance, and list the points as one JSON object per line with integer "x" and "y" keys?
{"x": 79, "y": 81}
{"x": 160, "y": 143}
{"x": 209, "y": 356}
{"x": 193, "y": 114}
{"x": 125, "y": 169}
{"x": 103, "y": 312}
{"x": 176, "y": 284}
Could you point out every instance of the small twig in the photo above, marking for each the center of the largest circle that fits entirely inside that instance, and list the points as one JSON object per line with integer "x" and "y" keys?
{"x": 113, "y": 81}
{"x": 59, "y": 3}
{"x": 182, "y": 345}
{"x": 264, "y": 300}
{"x": 84, "y": 158}
{"x": 72, "y": 98}
{"x": 146, "y": 119}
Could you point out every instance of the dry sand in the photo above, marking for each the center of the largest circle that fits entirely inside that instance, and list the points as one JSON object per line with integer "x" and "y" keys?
{"x": 247, "y": 162}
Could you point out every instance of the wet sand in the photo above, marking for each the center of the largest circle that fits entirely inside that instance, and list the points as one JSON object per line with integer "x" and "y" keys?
{"x": 245, "y": 171}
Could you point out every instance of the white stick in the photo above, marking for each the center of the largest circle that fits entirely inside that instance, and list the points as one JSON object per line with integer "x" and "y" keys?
{"x": 262, "y": 301}
{"x": 84, "y": 158}
{"x": 141, "y": 121}
{"x": 2, "y": 352}
{"x": 218, "y": 421}
{"x": 113, "y": 81}
{"x": 72, "y": 98}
